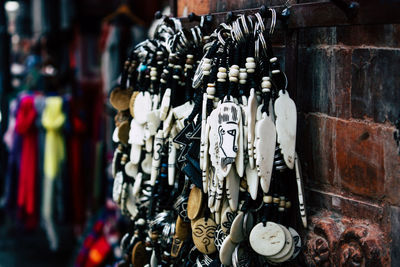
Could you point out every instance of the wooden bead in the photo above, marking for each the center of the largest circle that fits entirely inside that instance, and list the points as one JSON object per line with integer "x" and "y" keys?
{"x": 267, "y": 199}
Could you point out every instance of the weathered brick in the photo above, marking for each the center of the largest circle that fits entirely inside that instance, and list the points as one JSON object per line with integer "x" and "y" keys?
{"x": 224, "y": 5}
{"x": 316, "y": 149}
{"x": 317, "y": 36}
{"x": 392, "y": 166}
{"x": 324, "y": 81}
{"x": 200, "y": 7}
{"x": 395, "y": 229}
{"x": 360, "y": 158}
{"x": 375, "y": 85}
{"x": 376, "y": 35}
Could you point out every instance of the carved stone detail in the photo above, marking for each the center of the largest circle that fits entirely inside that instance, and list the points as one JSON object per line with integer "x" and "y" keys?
{"x": 334, "y": 240}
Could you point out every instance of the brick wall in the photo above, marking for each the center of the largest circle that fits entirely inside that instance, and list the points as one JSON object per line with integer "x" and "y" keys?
{"x": 348, "y": 98}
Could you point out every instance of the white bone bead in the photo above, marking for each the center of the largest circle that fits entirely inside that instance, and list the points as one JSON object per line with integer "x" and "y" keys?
{"x": 250, "y": 65}
{"x": 242, "y": 75}
{"x": 276, "y": 71}
{"x": 233, "y": 72}
{"x": 250, "y": 59}
{"x": 211, "y": 89}
{"x": 206, "y": 66}
{"x": 274, "y": 59}
{"x": 266, "y": 84}
{"x": 233, "y": 79}
{"x": 222, "y": 75}
{"x": 222, "y": 69}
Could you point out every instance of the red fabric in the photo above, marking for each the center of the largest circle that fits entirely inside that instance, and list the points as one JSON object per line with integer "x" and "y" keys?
{"x": 98, "y": 252}
{"x": 76, "y": 144}
{"x": 25, "y": 126}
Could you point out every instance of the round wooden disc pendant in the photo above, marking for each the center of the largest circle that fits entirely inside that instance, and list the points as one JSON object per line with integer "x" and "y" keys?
{"x": 123, "y": 132}
{"x": 182, "y": 228}
{"x": 119, "y": 98}
{"x": 195, "y": 202}
{"x": 268, "y": 240}
{"x": 287, "y": 248}
{"x": 203, "y": 235}
{"x": 139, "y": 255}
{"x": 132, "y": 103}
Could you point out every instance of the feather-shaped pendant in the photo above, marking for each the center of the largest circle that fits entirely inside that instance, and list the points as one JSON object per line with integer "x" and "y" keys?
{"x": 136, "y": 133}
{"x": 265, "y": 143}
{"x": 219, "y": 195}
{"x": 300, "y": 191}
{"x": 165, "y": 103}
{"x": 251, "y": 124}
{"x": 171, "y": 161}
{"x": 135, "y": 154}
{"x": 252, "y": 181}
{"x": 158, "y": 144}
{"x": 239, "y": 161}
{"x": 142, "y": 106}
{"x": 137, "y": 184}
{"x": 117, "y": 188}
{"x": 203, "y": 132}
{"x": 286, "y": 120}
{"x": 232, "y": 189}
{"x": 212, "y": 188}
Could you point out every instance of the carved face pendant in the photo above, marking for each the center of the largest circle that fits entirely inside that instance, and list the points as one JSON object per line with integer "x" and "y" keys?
{"x": 203, "y": 232}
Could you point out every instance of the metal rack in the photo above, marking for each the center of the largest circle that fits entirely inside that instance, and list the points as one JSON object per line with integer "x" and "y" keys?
{"x": 316, "y": 14}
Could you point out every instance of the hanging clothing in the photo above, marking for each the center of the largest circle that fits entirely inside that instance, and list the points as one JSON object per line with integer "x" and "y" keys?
{"x": 25, "y": 126}
{"x": 53, "y": 120}
{"x": 13, "y": 142}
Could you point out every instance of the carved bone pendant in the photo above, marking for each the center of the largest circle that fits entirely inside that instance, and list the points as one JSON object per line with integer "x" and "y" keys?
{"x": 286, "y": 120}
{"x": 228, "y": 122}
{"x": 300, "y": 191}
{"x": 251, "y": 124}
{"x": 142, "y": 106}
{"x": 265, "y": 144}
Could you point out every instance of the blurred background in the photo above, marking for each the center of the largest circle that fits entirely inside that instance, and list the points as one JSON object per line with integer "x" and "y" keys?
{"x": 58, "y": 61}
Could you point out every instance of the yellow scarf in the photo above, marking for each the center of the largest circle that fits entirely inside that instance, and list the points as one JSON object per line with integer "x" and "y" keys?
{"x": 54, "y": 152}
